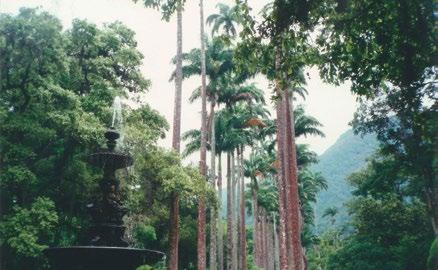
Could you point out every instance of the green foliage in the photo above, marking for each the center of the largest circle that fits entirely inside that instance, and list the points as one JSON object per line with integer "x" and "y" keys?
{"x": 166, "y": 7}
{"x": 370, "y": 42}
{"x": 27, "y": 232}
{"x": 387, "y": 221}
{"x": 56, "y": 91}
{"x": 143, "y": 234}
{"x": 325, "y": 247}
{"x": 157, "y": 173}
{"x": 432, "y": 260}
{"x": 392, "y": 65}
{"x": 158, "y": 266}
{"x": 145, "y": 267}
{"x": 227, "y": 18}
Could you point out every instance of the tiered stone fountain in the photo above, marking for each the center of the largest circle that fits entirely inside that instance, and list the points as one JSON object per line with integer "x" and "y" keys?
{"x": 106, "y": 249}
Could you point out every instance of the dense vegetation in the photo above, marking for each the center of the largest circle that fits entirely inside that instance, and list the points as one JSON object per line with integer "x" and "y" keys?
{"x": 56, "y": 91}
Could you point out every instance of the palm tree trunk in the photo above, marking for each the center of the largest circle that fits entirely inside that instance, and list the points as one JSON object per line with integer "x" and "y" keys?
{"x": 242, "y": 215}
{"x": 271, "y": 250}
{"x": 173, "y": 234}
{"x": 262, "y": 239}
{"x": 201, "y": 234}
{"x": 213, "y": 239}
{"x": 219, "y": 220}
{"x": 229, "y": 215}
{"x": 176, "y": 142}
{"x": 292, "y": 177}
{"x": 286, "y": 182}
{"x": 276, "y": 251}
{"x": 203, "y": 155}
{"x": 237, "y": 209}
{"x": 283, "y": 247}
{"x": 233, "y": 213}
{"x": 255, "y": 224}
{"x": 213, "y": 213}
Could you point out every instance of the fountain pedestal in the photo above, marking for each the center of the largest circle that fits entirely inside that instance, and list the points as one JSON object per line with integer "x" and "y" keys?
{"x": 106, "y": 249}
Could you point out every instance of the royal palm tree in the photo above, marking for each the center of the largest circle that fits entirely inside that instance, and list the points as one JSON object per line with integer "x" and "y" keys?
{"x": 231, "y": 136}
{"x": 227, "y": 19}
{"x": 218, "y": 62}
{"x": 223, "y": 87}
{"x": 203, "y": 149}
{"x": 176, "y": 145}
{"x": 331, "y": 212}
{"x": 261, "y": 162}
{"x": 167, "y": 8}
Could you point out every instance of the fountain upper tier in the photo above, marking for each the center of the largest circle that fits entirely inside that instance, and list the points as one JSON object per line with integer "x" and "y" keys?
{"x": 109, "y": 158}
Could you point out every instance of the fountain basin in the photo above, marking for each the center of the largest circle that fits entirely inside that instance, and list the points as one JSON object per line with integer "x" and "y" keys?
{"x": 114, "y": 160}
{"x": 101, "y": 258}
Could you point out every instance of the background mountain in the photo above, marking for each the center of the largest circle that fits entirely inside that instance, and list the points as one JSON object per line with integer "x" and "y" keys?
{"x": 347, "y": 155}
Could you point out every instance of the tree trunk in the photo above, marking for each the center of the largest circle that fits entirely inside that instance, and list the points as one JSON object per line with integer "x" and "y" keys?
{"x": 219, "y": 220}
{"x": 213, "y": 239}
{"x": 229, "y": 215}
{"x": 237, "y": 209}
{"x": 288, "y": 181}
{"x": 176, "y": 142}
{"x": 285, "y": 174}
{"x": 276, "y": 251}
{"x": 265, "y": 241}
{"x": 271, "y": 250}
{"x": 233, "y": 213}
{"x": 242, "y": 215}
{"x": 293, "y": 194}
{"x": 281, "y": 190}
{"x": 203, "y": 155}
{"x": 201, "y": 233}
{"x": 213, "y": 213}
{"x": 173, "y": 234}
{"x": 255, "y": 225}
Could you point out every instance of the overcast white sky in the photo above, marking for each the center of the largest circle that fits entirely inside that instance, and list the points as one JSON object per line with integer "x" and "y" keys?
{"x": 332, "y": 105}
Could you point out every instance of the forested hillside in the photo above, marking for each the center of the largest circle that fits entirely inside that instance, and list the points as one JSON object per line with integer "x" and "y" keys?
{"x": 347, "y": 155}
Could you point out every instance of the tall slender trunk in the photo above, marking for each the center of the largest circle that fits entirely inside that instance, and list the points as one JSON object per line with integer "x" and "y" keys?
{"x": 281, "y": 191}
{"x": 213, "y": 238}
{"x": 173, "y": 234}
{"x": 237, "y": 209}
{"x": 292, "y": 177}
{"x": 220, "y": 231}
{"x": 262, "y": 239}
{"x": 255, "y": 224}
{"x": 276, "y": 251}
{"x": 233, "y": 213}
{"x": 203, "y": 155}
{"x": 271, "y": 250}
{"x": 213, "y": 212}
{"x": 201, "y": 234}
{"x": 265, "y": 241}
{"x": 242, "y": 215}
{"x": 286, "y": 182}
{"x": 176, "y": 145}
{"x": 229, "y": 215}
